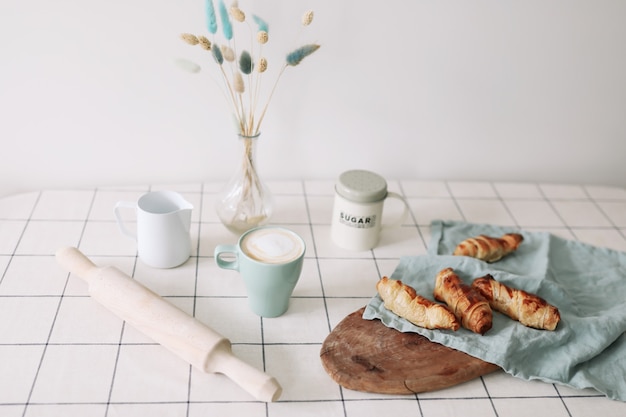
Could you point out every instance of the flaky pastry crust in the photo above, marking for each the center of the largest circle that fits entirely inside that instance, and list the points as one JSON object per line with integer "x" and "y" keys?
{"x": 529, "y": 309}
{"x": 405, "y": 302}
{"x": 467, "y": 304}
{"x": 487, "y": 248}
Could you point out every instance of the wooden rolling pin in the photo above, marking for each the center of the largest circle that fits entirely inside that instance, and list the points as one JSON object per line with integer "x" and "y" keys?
{"x": 187, "y": 337}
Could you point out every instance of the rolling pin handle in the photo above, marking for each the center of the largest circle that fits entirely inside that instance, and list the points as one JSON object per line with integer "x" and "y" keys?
{"x": 260, "y": 385}
{"x": 74, "y": 261}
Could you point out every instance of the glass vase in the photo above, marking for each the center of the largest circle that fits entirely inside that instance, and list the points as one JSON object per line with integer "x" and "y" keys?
{"x": 245, "y": 202}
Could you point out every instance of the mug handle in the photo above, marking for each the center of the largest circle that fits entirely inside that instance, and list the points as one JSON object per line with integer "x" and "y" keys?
{"x": 404, "y": 214}
{"x": 124, "y": 205}
{"x": 222, "y": 249}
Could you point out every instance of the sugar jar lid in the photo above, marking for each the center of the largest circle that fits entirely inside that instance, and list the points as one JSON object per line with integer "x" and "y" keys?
{"x": 361, "y": 186}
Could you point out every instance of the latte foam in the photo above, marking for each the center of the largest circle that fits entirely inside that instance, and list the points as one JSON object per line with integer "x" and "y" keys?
{"x": 272, "y": 245}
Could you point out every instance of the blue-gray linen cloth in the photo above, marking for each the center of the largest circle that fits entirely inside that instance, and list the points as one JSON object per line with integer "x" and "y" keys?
{"x": 586, "y": 283}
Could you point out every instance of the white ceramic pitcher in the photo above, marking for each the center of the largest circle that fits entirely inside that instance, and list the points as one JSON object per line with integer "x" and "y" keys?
{"x": 163, "y": 223}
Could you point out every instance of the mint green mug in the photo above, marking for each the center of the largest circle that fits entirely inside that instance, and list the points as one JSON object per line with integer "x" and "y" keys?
{"x": 269, "y": 260}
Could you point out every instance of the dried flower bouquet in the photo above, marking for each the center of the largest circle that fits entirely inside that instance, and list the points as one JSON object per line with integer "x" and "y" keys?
{"x": 242, "y": 70}
{"x": 245, "y": 202}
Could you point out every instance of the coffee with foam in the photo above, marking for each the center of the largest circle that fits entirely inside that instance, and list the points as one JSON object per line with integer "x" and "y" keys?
{"x": 272, "y": 245}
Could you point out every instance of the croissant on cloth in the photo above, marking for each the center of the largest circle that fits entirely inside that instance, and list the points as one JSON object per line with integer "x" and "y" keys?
{"x": 487, "y": 248}
{"x": 405, "y": 302}
{"x": 529, "y": 309}
{"x": 467, "y": 304}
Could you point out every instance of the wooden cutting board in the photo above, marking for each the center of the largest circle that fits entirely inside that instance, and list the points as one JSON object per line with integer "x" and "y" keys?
{"x": 366, "y": 355}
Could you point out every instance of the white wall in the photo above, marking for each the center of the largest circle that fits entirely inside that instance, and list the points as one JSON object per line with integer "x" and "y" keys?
{"x": 517, "y": 90}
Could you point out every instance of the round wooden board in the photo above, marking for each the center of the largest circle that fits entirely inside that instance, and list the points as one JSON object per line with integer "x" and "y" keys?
{"x": 365, "y": 355}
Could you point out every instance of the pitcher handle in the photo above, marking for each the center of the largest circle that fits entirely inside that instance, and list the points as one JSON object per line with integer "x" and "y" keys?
{"x": 120, "y": 222}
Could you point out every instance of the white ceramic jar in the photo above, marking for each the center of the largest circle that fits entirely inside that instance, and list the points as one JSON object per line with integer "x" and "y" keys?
{"x": 358, "y": 209}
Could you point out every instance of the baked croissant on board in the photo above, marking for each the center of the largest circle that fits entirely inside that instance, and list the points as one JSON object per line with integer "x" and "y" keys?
{"x": 405, "y": 302}
{"x": 467, "y": 304}
{"x": 487, "y": 248}
{"x": 529, "y": 309}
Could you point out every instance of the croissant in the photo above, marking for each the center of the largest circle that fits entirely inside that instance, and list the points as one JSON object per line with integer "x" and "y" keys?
{"x": 406, "y": 303}
{"x": 489, "y": 249}
{"x": 528, "y": 309}
{"x": 471, "y": 308}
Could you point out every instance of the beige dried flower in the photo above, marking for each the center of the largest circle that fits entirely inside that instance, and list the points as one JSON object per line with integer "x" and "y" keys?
{"x": 204, "y": 43}
{"x": 307, "y": 18}
{"x": 262, "y": 66}
{"x": 237, "y": 14}
{"x": 262, "y": 37}
{"x": 238, "y": 84}
{"x": 189, "y": 38}
{"x": 228, "y": 53}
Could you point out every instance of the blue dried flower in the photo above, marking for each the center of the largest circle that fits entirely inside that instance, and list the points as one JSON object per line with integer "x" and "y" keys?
{"x": 217, "y": 54}
{"x": 245, "y": 63}
{"x": 262, "y": 24}
{"x": 227, "y": 28}
{"x": 295, "y": 57}
{"x": 210, "y": 16}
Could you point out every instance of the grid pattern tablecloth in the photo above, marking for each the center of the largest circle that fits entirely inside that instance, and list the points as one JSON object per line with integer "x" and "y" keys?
{"x": 61, "y": 353}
